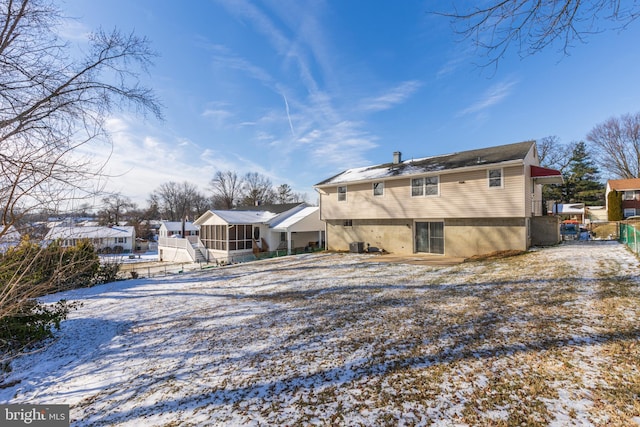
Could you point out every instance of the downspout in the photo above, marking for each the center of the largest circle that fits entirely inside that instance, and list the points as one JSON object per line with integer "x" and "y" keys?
{"x": 326, "y": 235}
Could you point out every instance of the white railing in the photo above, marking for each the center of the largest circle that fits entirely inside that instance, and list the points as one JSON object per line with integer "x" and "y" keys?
{"x": 178, "y": 242}
{"x": 173, "y": 242}
{"x": 202, "y": 249}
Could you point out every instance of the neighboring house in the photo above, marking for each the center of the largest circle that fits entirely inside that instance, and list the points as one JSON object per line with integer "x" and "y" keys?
{"x": 119, "y": 239}
{"x": 179, "y": 229}
{"x": 574, "y": 211}
{"x": 460, "y": 205}
{"x": 178, "y": 242}
{"x": 10, "y": 239}
{"x": 230, "y": 235}
{"x": 630, "y": 189}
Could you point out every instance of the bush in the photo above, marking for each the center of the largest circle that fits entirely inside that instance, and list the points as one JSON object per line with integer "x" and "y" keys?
{"x": 29, "y": 271}
{"x": 106, "y": 273}
{"x": 31, "y": 323}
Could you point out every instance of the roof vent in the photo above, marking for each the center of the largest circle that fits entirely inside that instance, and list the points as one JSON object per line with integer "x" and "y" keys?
{"x": 397, "y": 157}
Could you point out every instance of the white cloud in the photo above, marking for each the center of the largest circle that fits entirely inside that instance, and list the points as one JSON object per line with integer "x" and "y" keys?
{"x": 492, "y": 96}
{"x": 73, "y": 30}
{"x": 141, "y": 157}
{"x": 393, "y": 97}
{"x": 218, "y": 117}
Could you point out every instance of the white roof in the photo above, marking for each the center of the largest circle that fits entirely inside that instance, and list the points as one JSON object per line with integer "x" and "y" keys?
{"x": 177, "y": 226}
{"x": 569, "y": 208}
{"x": 63, "y": 232}
{"x": 293, "y": 219}
{"x": 245, "y": 217}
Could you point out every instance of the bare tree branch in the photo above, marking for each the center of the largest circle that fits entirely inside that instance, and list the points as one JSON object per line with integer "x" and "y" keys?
{"x": 530, "y": 26}
{"x": 226, "y": 187}
{"x": 617, "y": 142}
{"x": 52, "y": 104}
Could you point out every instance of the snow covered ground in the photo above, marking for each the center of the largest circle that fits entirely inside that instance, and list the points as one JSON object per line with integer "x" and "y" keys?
{"x": 547, "y": 338}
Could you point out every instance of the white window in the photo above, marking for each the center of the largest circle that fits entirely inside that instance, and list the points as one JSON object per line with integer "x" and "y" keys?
{"x": 630, "y": 195}
{"x": 342, "y": 194}
{"x": 378, "y": 188}
{"x": 629, "y": 212}
{"x": 428, "y": 186}
{"x": 417, "y": 187}
{"x": 431, "y": 184}
{"x": 495, "y": 178}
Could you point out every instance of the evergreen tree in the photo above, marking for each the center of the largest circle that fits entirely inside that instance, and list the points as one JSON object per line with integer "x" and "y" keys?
{"x": 614, "y": 206}
{"x": 581, "y": 179}
{"x": 284, "y": 194}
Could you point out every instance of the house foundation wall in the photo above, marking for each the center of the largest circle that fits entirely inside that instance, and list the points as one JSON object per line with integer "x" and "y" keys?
{"x": 169, "y": 254}
{"x": 463, "y": 237}
{"x": 395, "y": 236}
{"x": 468, "y": 237}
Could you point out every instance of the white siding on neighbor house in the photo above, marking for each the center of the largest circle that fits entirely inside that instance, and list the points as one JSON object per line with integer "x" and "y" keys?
{"x": 461, "y": 195}
{"x": 174, "y": 228}
{"x": 101, "y": 237}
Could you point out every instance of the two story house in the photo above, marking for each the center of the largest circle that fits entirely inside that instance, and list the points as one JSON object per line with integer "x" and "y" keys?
{"x": 460, "y": 205}
{"x": 630, "y": 189}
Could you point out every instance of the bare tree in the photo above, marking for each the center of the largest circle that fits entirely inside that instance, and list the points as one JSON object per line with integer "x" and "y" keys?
{"x": 51, "y": 104}
{"x": 556, "y": 155}
{"x": 553, "y": 153}
{"x": 177, "y": 201}
{"x": 115, "y": 207}
{"x": 533, "y": 25}
{"x": 617, "y": 143}
{"x": 257, "y": 189}
{"x": 226, "y": 187}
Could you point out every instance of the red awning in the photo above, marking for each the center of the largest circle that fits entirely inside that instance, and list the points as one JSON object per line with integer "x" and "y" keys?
{"x": 545, "y": 175}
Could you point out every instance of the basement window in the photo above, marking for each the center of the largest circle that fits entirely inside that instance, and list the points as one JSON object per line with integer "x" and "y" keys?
{"x": 347, "y": 223}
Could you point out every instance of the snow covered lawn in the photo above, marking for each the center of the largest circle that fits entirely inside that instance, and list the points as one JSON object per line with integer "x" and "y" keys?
{"x": 546, "y": 338}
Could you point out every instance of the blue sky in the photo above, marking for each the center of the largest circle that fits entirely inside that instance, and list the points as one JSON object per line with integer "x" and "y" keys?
{"x": 301, "y": 90}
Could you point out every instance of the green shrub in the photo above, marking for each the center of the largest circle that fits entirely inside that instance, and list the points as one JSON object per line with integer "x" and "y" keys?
{"x": 31, "y": 323}
{"x": 29, "y": 271}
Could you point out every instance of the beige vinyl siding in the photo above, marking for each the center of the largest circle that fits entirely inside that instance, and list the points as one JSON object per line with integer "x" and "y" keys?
{"x": 462, "y": 195}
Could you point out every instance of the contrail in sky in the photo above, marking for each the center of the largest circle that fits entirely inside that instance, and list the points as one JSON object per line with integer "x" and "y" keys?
{"x": 286, "y": 104}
